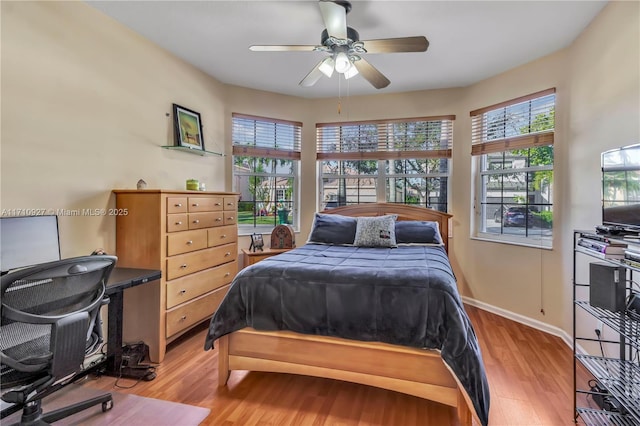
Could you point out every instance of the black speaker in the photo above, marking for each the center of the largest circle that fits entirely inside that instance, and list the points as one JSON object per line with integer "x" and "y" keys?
{"x": 607, "y": 286}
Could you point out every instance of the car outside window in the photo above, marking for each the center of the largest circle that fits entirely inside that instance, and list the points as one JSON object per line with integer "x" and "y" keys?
{"x": 513, "y": 148}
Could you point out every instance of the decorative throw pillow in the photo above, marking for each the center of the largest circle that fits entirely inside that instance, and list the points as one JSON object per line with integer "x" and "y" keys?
{"x": 333, "y": 229}
{"x": 418, "y": 232}
{"x": 376, "y": 231}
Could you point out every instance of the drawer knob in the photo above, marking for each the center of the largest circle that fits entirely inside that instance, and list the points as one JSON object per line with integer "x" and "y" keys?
{"x": 183, "y": 266}
{"x": 183, "y": 291}
{"x": 178, "y": 204}
{"x": 227, "y": 254}
{"x": 223, "y": 236}
{"x": 182, "y": 318}
{"x": 218, "y": 204}
{"x": 179, "y": 223}
{"x": 230, "y": 218}
{"x": 227, "y": 274}
{"x": 196, "y": 221}
{"x": 219, "y": 219}
{"x": 229, "y": 204}
{"x": 195, "y": 204}
{"x": 189, "y": 242}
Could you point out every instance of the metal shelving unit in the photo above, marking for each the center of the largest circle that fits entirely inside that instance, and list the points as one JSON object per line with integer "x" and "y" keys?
{"x": 620, "y": 376}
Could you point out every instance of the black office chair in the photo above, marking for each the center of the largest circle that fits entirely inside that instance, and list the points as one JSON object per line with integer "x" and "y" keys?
{"x": 46, "y": 315}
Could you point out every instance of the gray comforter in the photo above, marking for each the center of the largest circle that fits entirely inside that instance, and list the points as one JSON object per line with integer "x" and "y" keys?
{"x": 405, "y": 296}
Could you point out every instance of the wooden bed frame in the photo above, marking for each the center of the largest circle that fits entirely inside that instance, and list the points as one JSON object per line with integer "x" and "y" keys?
{"x": 417, "y": 372}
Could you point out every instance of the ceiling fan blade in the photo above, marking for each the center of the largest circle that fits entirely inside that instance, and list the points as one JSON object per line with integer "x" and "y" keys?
{"x": 335, "y": 18}
{"x": 313, "y": 76}
{"x": 372, "y": 75}
{"x": 282, "y": 48}
{"x": 402, "y": 44}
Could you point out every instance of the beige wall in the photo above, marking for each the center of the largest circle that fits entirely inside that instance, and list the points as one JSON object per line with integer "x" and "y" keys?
{"x": 84, "y": 103}
{"x": 84, "y": 110}
{"x": 604, "y": 90}
{"x": 519, "y": 279}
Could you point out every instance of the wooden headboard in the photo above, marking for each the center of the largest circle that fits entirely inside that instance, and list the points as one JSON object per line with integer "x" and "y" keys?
{"x": 404, "y": 212}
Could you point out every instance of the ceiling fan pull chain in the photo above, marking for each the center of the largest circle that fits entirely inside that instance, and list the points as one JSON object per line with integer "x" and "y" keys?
{"x": 339, "y": 96}
{"x": 348, "y": 96}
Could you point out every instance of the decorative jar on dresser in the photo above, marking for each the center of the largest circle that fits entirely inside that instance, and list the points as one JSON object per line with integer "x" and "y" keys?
{"x": 191, "y": 236}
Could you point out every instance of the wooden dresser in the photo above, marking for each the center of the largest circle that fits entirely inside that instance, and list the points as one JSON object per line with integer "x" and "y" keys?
{"x": 191, "y": 236}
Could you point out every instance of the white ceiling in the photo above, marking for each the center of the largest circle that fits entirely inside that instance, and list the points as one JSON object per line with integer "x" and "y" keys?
{"x": 469, "y": 40}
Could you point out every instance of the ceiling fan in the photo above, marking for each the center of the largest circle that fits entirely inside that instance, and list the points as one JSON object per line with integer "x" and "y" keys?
{"x": 346, "y": 49}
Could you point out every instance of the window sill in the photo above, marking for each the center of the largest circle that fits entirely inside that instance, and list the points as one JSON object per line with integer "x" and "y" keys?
{"x": 260, "y": 230}
{"x": 536, "y": 244}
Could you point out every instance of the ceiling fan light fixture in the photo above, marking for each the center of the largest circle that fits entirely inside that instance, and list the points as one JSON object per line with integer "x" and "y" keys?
{"x": 351, "y": 72}
{"x": 326, "y": 67}
{"x": 342, "y": 62}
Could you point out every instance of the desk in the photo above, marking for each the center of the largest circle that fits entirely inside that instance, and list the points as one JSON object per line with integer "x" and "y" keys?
{"x": 119, "y": 280}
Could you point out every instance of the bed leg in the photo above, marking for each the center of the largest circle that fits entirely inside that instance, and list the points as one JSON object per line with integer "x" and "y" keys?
{"x": 464, "y": 414}
{"x": 223, "y": 360}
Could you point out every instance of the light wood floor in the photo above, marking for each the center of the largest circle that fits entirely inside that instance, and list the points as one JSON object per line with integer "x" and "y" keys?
{"x": 530, "y": 375}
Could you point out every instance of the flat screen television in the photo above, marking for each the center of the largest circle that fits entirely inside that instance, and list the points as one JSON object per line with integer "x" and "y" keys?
{"x": 621, "y": 188}
{"x": 27, "y": 241}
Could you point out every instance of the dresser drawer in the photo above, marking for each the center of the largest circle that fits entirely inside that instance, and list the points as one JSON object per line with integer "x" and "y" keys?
{"x": 185, "y": 264}
{"x": 184, "y": 242}
{"x": 176, "y": 204}
{"x": 186, "y": 288}
{"x": 230, "y": 203}
{"x": 205, "y": 220}
{"x": 177, "y": 222}
{"x": 222, "y": 235}
{"x": 230, "y": 218}
{"x": 205, "y": 204}
{"x": 194, "y": 311}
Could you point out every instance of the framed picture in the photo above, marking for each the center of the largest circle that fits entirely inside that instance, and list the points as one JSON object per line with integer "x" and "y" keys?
{"x": 188, "y": 128}
{"x": 256, "y": 242}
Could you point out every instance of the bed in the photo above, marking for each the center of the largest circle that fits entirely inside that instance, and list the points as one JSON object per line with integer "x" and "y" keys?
{"x": 387, "y": 316}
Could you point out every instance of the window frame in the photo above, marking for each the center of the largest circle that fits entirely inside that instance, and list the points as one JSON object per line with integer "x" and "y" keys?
{"x": 290, "y": 152}
{"x": 385, "y": 147}
{"x": 481, "y": 148}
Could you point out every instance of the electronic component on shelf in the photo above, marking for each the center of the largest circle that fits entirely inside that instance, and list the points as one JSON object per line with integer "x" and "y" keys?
{"x": 601, "y": 238}
{"x": 632, "y": 254}
{"x": 601, "y": 249}
{"x": 632, "y": 258}
{"x": 611, "y": 230}
{"x": 607, "y": 286}
{"x": 604, "y": 400}
{"x": 601, "y": 246}
{"x": 633, "y": 306}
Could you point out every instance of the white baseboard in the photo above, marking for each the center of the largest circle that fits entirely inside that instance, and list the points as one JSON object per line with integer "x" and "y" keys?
{"x": 538, "y": 325}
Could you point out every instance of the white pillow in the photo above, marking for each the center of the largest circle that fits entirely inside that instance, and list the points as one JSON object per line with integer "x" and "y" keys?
{"x": 378, "y": 231}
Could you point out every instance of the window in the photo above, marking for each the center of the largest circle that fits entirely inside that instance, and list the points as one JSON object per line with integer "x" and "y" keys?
{"x": 513, "y": 146}
{"x": 397, "y": 161}
{"x": 266, "y": 156}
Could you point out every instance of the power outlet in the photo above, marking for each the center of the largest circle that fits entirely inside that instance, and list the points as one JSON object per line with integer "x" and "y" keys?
{"x": 599, "y": 328}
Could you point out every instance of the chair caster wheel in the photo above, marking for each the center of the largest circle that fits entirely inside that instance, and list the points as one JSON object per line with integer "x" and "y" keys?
{"x": 149, "y": 377}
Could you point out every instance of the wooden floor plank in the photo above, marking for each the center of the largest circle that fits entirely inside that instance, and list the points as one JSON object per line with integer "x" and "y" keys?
{"x": 530, "y": 376}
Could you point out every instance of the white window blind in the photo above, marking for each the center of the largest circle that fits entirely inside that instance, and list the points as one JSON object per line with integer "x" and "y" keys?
{"x": 425, "y": 137}
{"x": 265, "y": 137}
{"x": 520, "y": 123}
